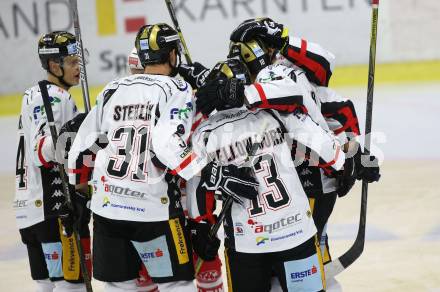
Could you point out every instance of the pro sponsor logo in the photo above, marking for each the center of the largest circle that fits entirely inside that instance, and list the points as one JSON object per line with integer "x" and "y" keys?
{"x": 39, "y": 110}
{"x": 179, "y": 240}
{"x": 181, "y": 113}
{"x": 277, "y": 226}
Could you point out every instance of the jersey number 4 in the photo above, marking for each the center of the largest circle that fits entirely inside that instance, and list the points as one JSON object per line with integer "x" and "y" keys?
{"x": 132, "y": 146}
{"x": 276, "y": 196}
{"x": 20, "y": 167}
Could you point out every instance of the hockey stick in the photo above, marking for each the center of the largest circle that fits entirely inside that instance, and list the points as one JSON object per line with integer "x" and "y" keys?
{"x": 82, "y": 63}
{"x": 64, "y": 181}
{"x": 336, "y": 266}
{"x": 227, "y": 204}
{"x": 172, "y": 13}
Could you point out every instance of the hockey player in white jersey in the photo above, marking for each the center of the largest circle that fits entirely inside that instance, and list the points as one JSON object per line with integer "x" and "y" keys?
{"x": 275, "y": 230}
{"x": 54, "y": 263}
{"x": 309, "y": 59}
{"x": 136, "y": 198}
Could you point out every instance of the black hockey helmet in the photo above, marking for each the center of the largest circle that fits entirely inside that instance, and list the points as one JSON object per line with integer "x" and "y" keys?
{"x": 55, "y": 46}
{"x": 154, "y": 43}
{"x": 253, "y": 53}
{"x": 231, "y": 68}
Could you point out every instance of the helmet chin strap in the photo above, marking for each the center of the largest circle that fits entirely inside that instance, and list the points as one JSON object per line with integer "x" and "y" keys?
{"x": 175, "y": 69}
{"x": 61, "y": 78}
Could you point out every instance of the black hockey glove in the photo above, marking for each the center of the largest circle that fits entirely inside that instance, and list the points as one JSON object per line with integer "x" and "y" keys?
{"x": 265, "y": 28}
{"x": 232, "y": 181}
{"x": 79, "y": 216}
{"x": 204, "y": 246}
{"x": 347, "y": 177}
{"x": 195, "y": 74}
{"x": 220, "y": 94}
{"x": 367, "y": 167}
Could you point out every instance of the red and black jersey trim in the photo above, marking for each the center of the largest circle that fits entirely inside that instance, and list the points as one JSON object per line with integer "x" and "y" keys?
{"x": 286, "y": 104}
{"x": 316, "y": 67}
{"x": 343, "y": 112}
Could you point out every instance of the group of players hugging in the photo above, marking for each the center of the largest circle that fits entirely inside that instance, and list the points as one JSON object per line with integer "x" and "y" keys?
{"x": 152, "y": 158}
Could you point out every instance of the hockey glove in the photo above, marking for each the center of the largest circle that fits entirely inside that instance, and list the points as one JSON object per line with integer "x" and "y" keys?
{"x": 195, "y": 74}
{"x": 347, "y": 177}
{"x": 220, "y": 94}
{"x": 79, "y": 216}
{"x": 367, "y": 167}
{"x": 204, "y": 246}
{"x": 232, "y": 181}
{"x": 273, "y": 34}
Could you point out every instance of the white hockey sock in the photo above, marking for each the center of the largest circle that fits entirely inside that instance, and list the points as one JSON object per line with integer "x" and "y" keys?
{"x": 44, "y": 285}
{"x": 120, "y": 286}
{"x": 64, "y": 286}
{"x": 178, "y": 286}
{"x": 275, "y": 283}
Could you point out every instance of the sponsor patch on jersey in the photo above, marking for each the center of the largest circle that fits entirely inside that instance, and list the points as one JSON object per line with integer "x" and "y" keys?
{"x": 304, "y": 274}
{"x": 181, "y": 113}
{"x": 238, "y": 229}
{"x": 155, "y": 256}
{"x": 179, "y": 240}
{"x": 52, "y": 255}
{"x": 261, "y": 240}
{"x": 277, "y": 226}
{"x": 38, "y": 203}
{"x": 19, "y": 204}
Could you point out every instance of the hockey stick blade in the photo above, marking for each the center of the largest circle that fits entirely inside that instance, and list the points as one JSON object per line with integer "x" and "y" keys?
{"x": 64, "y": 182}
{"x": 354, "y": 252}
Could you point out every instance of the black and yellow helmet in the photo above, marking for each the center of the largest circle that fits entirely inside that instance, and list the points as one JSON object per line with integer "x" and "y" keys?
{"x": 154, "y": 42}
{"x": 231, "y": 68}
{"x": 55, "y": 46}
{"x": 253, "y": 53}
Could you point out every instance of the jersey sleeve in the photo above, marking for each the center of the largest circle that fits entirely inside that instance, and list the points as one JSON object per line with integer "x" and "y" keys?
{"x": 316, "y": 61}
{"x": 322, "y": 147}
{"x": 340, "y": 114}
{"x": 171, "y": 134}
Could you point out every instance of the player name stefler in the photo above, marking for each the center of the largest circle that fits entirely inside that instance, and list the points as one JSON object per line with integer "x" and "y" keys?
{"x": 131, "y": 112}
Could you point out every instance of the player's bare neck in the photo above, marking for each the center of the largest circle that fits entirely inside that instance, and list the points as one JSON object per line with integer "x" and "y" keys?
{"x": 52, "y": 79}
{"x": 158, "y": 69}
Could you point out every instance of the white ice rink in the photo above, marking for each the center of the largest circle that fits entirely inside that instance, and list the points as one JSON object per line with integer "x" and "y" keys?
{"x": 402, "y": 251}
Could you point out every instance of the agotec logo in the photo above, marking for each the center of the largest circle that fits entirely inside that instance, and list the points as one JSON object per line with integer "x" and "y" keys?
{"x": 107, "y": 18}
{"x": 276, "y": 226}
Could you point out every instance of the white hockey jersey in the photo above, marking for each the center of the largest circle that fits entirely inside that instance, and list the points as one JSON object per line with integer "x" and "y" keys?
{"x": 146, "y": 120}
{"x": 280, "y": 218}
{"x": 38, "y": 192}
